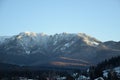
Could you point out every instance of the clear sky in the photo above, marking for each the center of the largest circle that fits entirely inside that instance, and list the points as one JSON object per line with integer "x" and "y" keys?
{"x": 98, "y": 18}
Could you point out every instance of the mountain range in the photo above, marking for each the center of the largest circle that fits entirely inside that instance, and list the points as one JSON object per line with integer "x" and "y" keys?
{"x": 60, "y": 50}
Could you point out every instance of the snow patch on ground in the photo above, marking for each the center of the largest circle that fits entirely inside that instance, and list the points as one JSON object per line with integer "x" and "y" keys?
{"x": 67, "y": 45}
{"x": 55, "y": 42}
{"x": 116, "y": 69}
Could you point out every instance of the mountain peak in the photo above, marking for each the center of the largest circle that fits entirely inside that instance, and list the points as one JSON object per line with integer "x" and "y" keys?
{"x": 27, "y": 33}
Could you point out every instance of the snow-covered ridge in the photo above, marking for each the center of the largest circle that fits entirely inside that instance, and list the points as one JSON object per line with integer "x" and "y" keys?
{"x": 44, "y": 38}
{"x": 61, "y": 41}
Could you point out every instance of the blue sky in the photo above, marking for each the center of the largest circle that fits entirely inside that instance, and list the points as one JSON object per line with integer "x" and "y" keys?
{"x": 98, "y": 18}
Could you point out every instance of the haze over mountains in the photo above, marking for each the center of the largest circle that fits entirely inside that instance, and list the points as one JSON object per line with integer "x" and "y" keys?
{"x": 65, "y": 49}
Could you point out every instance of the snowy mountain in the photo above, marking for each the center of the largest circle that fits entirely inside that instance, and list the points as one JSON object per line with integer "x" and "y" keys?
{"x": 65, "y": 49}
